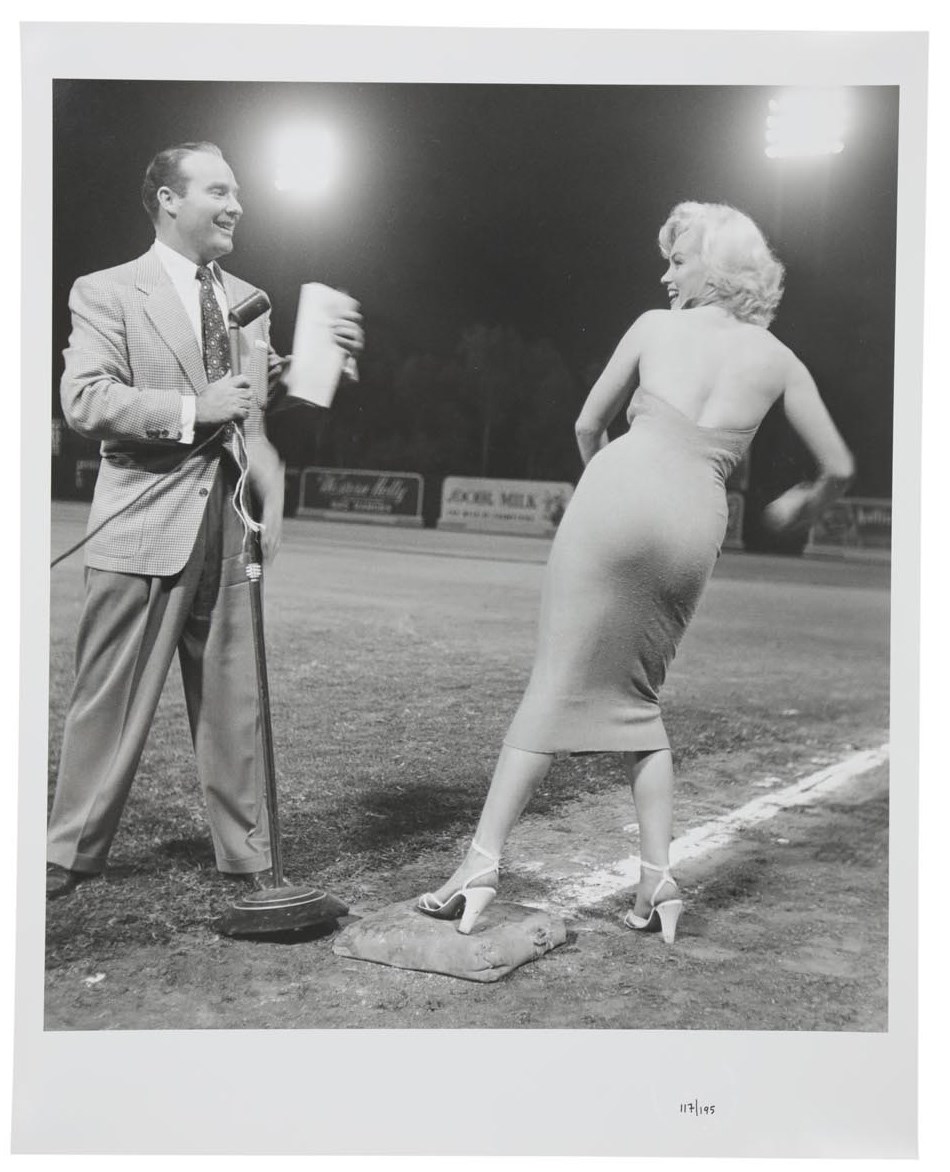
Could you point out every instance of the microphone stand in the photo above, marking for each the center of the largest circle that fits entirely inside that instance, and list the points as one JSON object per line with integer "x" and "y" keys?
{"x": 281, "y": 907}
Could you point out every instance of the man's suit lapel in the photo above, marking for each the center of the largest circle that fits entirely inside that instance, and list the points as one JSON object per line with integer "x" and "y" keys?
{"x": 231, "y": 289}
{"x": 168, "y": 315}
{"x": 235, "y": 289}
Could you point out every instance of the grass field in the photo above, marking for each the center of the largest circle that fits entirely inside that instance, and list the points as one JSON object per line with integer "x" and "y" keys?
{"x": 396, "y": 659}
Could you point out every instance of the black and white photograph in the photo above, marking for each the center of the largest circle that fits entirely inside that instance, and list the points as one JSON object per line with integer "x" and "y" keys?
{"x": 472, "y": 505}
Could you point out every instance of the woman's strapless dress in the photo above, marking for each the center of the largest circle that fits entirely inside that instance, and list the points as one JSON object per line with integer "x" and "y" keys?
{"x": 628, "y": 565}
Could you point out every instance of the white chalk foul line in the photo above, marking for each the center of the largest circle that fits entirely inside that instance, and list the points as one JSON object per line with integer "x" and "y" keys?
{"x": 602, "y": 882}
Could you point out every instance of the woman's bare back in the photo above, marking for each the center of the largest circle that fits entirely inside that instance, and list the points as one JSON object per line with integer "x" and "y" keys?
{"x": 717, "y": 370}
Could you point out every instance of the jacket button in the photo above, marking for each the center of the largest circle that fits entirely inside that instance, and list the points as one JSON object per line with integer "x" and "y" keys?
{"x": 202, "y": 492}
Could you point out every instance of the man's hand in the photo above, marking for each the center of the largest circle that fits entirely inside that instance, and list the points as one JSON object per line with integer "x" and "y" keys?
{"x": 266, "y": 472}
{"x": 226, "y": 401}
{"x": 347, "y": 331}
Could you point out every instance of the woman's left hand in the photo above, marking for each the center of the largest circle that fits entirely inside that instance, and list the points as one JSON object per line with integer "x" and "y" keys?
{"x": 792, "y": 510}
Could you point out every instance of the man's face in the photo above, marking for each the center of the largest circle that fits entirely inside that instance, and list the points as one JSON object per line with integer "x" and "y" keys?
{"x": 202, "y": 221}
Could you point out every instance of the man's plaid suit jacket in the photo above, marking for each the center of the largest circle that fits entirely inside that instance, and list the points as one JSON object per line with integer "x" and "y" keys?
{"x": 132, "y": 354}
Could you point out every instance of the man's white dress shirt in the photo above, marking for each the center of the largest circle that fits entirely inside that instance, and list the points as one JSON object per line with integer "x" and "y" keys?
{"x": 183, "y": 275}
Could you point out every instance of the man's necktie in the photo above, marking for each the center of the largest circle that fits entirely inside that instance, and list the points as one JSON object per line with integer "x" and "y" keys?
{"x": 214, "y": 344}
{"x": 214, "y": 335}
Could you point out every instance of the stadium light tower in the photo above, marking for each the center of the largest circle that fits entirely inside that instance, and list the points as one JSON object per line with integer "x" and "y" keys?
{"x": 806, "y": 123}
{"x": 307, "y": 156}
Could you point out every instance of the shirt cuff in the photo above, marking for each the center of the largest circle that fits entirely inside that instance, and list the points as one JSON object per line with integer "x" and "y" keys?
{"x": 188, "y": 409}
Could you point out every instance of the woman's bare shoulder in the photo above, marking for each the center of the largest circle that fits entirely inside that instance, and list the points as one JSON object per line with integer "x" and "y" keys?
{"x": 761, "y": 342}
{"x": 782, "y": 357}
{"x": 651, "y": 322}
{"x": 643, "y": 331}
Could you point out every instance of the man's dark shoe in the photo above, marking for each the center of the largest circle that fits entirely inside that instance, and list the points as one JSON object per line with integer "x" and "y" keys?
{"x": 61, "y": 881}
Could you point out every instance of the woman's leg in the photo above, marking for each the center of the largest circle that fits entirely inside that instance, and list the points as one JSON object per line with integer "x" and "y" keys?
{"x": 651, "y": 782}
{"x": 517, "y": 775}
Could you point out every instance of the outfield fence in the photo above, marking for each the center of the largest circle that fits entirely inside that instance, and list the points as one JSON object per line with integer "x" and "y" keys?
{"x": 853, "y": 526}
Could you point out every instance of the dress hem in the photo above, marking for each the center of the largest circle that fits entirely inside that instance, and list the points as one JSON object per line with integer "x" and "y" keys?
{"x": 580, "y": 747}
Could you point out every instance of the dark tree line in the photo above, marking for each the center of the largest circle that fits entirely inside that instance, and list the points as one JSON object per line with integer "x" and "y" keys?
{"x": 494, "y": 406}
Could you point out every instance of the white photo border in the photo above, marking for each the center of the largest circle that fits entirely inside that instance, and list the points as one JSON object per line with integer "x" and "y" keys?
{"x": 783, "y": 1094}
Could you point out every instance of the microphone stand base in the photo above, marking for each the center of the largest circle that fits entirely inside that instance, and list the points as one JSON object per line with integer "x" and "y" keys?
{"x": 279, "y": 910}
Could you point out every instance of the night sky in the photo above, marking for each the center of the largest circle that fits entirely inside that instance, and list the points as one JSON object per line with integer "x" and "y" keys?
{"x": 535, "y": 207}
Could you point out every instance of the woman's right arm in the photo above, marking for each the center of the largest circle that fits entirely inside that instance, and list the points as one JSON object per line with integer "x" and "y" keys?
{"x": 608, "y": 394}
{"x": 802, "y": 504}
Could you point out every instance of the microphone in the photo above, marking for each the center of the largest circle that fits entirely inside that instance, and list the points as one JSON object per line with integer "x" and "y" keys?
{"x": 250, "y": 309}
{"x": 240, "y": 315}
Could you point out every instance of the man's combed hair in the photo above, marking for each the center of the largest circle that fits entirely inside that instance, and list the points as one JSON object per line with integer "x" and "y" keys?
{"x": 743, "y": 274}
{"x": 165, "y": 171}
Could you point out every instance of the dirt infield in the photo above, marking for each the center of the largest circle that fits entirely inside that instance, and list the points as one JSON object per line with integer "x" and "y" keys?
{"x": 396, "y": 659}
{"x": 787, "y": 931}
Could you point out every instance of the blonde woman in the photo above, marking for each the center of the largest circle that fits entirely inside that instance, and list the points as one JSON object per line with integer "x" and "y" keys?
{"x": 642, "y": 533}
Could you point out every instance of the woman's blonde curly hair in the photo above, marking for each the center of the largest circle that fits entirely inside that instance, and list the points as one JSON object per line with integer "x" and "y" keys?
{"x": 742, "y": 274}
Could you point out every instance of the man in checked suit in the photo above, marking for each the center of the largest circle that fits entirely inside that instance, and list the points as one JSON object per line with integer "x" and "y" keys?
{"x": 147, "y": 372}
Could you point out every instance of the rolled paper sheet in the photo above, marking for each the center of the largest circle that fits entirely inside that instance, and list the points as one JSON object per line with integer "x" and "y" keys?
{"x": 318, "y": 361}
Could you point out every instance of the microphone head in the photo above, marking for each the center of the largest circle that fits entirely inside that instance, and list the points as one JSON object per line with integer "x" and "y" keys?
{"x": 249, "y": 309}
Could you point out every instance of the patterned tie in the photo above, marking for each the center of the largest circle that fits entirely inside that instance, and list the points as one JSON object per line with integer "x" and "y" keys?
{"x": 215, "y": 347}
{"x": 214, "y": 335}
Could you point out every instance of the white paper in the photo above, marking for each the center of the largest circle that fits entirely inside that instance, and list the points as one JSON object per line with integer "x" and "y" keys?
{"x": 317, "y": 361}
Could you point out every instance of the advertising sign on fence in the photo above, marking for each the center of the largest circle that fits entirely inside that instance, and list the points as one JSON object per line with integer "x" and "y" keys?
{"x": 504, "y": 506}
{"x": 86, "y": 473}
{"x": 853, "y": 525}
{"x": 74, "y": 463}
{"x": 357, "y": 494}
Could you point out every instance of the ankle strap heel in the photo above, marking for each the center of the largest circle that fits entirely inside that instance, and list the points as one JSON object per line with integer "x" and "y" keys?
{"x": 468, "y": 900}
{"x": 484, "y": 853}
{"x": 666, "y": 876}
{"x": 664, "y": 913}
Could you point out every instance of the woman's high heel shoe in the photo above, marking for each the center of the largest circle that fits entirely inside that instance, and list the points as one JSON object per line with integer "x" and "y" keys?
{"x": 664, "y": 913}
{"x": 467, "y": 901}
